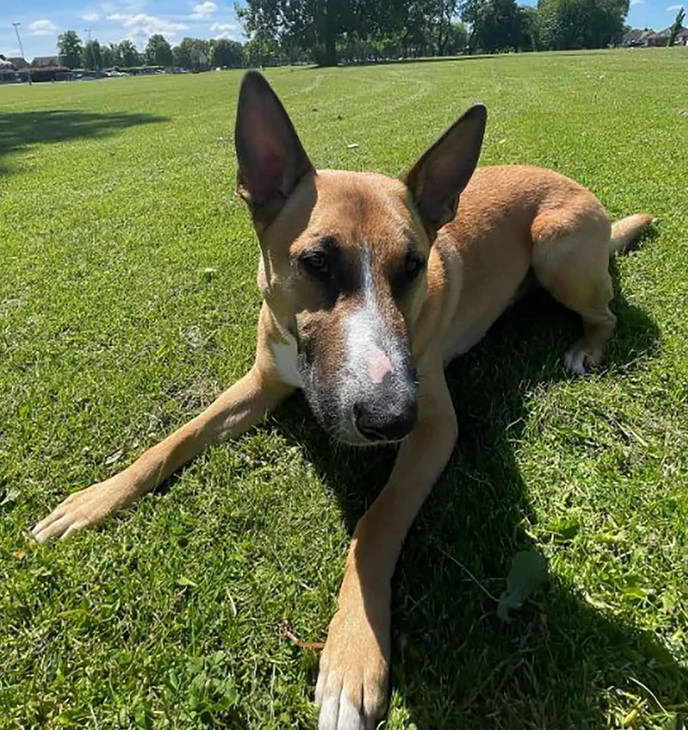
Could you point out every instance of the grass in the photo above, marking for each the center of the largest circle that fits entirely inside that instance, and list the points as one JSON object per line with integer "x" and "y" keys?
{"x": 114, "y": 198}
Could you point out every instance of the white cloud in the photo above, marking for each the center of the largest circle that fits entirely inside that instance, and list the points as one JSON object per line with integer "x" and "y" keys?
{"x": 140, "y": 27}
{"x": 225, "y": 30}
{"x": 203, "y": 10}
{"x": 674, "y": 8}
{"x": 223, "y": 26}
{"x": 637, "y": 2}
{"x": 90, "y": 17}
{"x": 43, "y": 27}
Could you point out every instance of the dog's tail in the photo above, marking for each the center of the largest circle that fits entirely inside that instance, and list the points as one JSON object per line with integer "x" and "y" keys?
{"x": 625, "y": 231}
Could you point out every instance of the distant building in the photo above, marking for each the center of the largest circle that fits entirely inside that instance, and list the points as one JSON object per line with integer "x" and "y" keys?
{"x": 636, "y": 37}
{"x": 8, "y": 71}
{"x": 46, "y": 62}
{"x": 648, "y": 37}
{"x": 19, "y": 63}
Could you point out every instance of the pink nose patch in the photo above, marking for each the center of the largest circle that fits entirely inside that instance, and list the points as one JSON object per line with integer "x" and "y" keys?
{"x": 378, "y": 364}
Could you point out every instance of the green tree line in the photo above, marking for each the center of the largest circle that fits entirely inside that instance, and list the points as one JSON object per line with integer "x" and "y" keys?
{"x": 329, "y": 31}
{"x": 354, "y": 31}
{"x": 191, "y": 53}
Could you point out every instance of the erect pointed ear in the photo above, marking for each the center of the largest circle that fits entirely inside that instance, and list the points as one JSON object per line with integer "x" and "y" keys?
{"x": 270, "y": 155}
{"x": 437, "y": 179}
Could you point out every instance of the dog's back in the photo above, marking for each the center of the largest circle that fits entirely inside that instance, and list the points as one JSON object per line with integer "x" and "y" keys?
{"x": 513, "y": 219}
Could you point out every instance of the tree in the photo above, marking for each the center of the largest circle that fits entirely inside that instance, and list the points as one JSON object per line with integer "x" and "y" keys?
{"x": 457, "y": 39}
{"x": 193, "y": 53}
{"x": 676, "y": 27}
{"x": 496, "y": 24}
{"x": 316, "y": 25}
{"x": 92, "y": 58}
{"x": 444, "y": 12}
{"x": 111, "y": 55}
{"x": 128, "y": 55}
{"x": 529, "y": 30}
{"x": 224, "y": 52}
{"x": 571, "y": 24}
{"x": 70, "y": 49}
{"x": 158, "y": 51}
{"x": 107, "y": 56}
{"x": 181, "y": 54}
{"x": 261, "y": 50}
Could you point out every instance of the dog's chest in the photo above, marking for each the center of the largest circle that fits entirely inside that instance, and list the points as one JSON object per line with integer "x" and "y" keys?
{"x": 285, "y": 354}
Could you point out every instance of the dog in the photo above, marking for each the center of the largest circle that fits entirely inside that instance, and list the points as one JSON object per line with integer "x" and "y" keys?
{"x": 371, "y": 285}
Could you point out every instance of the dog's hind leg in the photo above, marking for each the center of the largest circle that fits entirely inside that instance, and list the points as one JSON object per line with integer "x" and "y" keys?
{"x": 236, "y": 410}
{"x": 571, "y": 260}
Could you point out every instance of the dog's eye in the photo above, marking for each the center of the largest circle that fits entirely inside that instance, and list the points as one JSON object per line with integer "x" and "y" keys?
{"x": 316, "y": 262}
{"x": 414, "y": 265}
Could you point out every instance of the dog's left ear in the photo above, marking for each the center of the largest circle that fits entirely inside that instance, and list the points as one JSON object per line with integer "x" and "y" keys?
{"x": 270, "y": 155}
{"x": 437, "y": 179}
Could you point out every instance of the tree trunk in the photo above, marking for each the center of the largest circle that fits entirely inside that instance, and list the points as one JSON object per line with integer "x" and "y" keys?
{"x": 330, "y": 47}
{"x": 326, "y": 32}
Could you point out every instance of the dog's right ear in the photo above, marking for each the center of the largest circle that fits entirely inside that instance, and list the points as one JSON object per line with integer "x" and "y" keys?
{"x": 270, "y": 156}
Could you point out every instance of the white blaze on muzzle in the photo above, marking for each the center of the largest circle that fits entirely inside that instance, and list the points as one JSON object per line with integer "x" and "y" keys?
{"x": 372, "y": 351}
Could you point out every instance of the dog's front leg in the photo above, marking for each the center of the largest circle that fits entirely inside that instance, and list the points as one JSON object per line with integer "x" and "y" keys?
{"x": 237, "y": 409}
{"x": 353, "y": 680}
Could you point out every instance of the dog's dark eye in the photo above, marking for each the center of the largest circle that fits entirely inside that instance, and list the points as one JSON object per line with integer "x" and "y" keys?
{"x": 414, "y": 265}
{"x": 316, "y": 262}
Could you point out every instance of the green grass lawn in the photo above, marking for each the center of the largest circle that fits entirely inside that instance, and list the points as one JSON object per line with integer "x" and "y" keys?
{"x": 115, "y": 196}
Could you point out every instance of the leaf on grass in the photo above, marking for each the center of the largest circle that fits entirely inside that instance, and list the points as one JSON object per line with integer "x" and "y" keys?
{"x": 10, "y": 496}
{"x": 632, "y": 717}
{"x": 184, "y": 581}
{"x": 528, "y": 573}
{"x": 114, "y": 456}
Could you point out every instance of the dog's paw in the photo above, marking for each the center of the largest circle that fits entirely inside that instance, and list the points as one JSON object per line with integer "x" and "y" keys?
{"x": 80, "y": 510}
{"x": 581, "y": 360}
{"x": 354, "y": 671}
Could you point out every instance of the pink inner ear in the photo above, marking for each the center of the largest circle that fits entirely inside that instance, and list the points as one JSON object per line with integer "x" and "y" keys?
{"x": 266, "y": 179}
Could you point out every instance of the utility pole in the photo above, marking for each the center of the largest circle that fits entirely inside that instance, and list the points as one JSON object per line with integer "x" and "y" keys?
{"x": 21, "y": 49}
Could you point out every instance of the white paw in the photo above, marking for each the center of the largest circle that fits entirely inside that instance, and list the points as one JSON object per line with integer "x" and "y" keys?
{"x": 580, "y": 361}
{"x": 574, "y": 361}
{"x": 348, "y": 701}
{"x": 353, "y": 679}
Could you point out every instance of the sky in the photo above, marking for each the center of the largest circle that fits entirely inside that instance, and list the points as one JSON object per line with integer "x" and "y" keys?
{"x": 114, "y": 20}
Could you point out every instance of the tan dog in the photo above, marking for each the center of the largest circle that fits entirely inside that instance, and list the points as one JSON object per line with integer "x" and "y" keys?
{"x": 371, "y": 286}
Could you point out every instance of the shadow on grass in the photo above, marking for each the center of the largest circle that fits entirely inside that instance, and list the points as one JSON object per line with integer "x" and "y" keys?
{"x": 443, "y": 59}
{"x": 20, "y": 130}
{"x": 455, "y": 663}
{"x": 421, "y": 59}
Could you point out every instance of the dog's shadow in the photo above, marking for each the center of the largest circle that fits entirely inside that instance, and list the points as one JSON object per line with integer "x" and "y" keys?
{"x": 455, "y": 663}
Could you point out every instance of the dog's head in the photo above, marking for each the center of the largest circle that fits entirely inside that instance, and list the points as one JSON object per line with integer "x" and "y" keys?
{"x": 344, "y": 264}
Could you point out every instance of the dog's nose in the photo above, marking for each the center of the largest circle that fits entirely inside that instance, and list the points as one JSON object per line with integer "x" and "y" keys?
{"x": 385, "y": 424}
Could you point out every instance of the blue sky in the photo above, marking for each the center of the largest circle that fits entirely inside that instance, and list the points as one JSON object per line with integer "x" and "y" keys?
{"x": 113, "y": 20}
